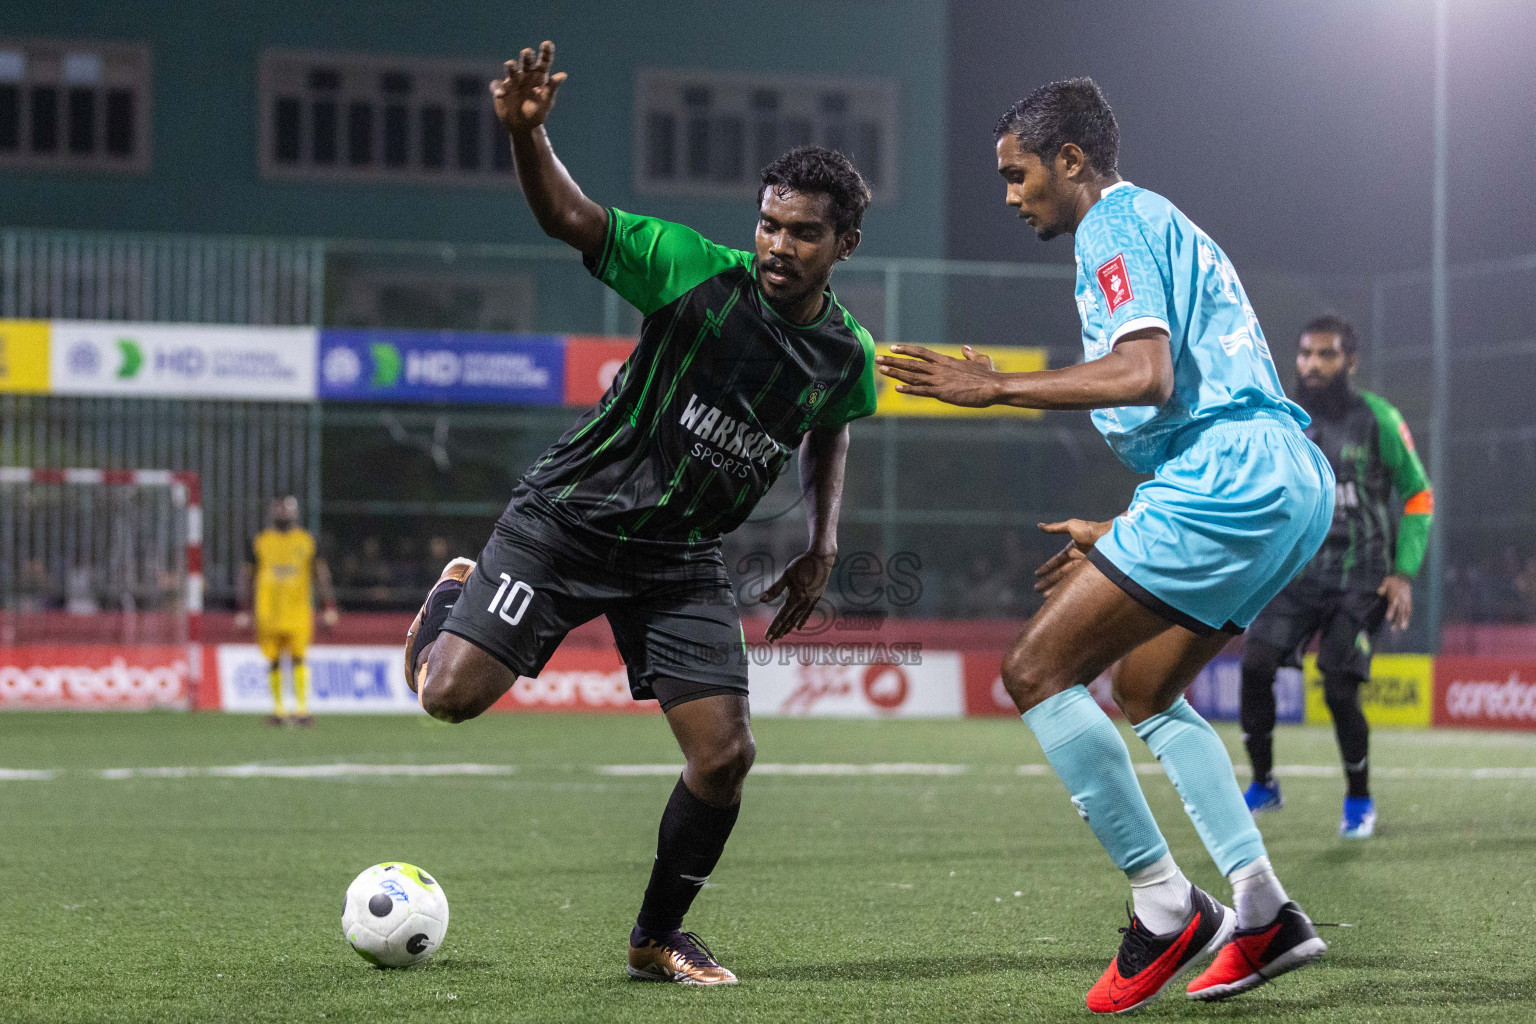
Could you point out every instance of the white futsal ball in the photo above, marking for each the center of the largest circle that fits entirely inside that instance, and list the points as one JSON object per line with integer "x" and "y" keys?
{"x": 395, "y": 915}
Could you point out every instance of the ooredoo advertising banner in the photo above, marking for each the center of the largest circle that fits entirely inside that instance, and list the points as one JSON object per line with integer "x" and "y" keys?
{"x": 576, "y": 680}
{"x": 89, "y": 357}
{"x": 447, "y": 366}
{"x": 96, "y": 677}
{"x": 1485, "y": 693}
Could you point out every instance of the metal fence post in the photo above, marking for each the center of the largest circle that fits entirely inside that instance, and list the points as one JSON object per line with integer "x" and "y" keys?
{"x": 611, "y": 312}
{"x": 1378, "y": 332}
{"x": 1440, "y": 316}
{"x": 316, "y": 412}
{"x": 889, "y": 463}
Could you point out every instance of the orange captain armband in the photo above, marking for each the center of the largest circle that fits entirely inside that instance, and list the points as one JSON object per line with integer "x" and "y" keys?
{"x": 1421, "y": 504}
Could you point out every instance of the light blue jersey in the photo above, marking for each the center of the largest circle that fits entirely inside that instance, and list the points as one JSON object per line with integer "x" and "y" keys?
{"x": 1239, "y": 498}
{"x": 1141, "y": 263}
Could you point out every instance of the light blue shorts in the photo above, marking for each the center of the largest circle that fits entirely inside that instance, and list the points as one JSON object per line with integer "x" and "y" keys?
{"x": 1237, "y": 511}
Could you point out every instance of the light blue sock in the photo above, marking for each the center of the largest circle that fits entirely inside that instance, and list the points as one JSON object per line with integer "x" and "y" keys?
{"x": 1087, "y": 753}
{"x": 1197, "y": 763}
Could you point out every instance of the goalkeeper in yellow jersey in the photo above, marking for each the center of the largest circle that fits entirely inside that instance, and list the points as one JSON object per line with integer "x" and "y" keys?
{"x": 280, "y": 566}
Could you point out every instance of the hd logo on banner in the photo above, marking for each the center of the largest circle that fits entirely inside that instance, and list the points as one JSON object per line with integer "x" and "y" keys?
{"x": 423, "y": 366}
{"x": 88, "y": 357}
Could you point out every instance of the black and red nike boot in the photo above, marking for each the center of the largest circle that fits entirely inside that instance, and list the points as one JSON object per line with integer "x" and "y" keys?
{"x": 1256, "y": 955}
{"x": 1147, "y": 963}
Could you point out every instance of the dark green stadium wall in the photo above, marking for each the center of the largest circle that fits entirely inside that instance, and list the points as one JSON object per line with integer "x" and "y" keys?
{"x": 204, "y": 176}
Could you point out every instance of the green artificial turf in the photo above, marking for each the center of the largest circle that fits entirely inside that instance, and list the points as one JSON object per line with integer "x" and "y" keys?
{"x": 971, "y": 897}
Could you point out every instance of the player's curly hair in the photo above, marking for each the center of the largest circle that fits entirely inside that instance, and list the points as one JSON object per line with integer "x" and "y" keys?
{"x": 1332, "y": 323}
{"x": 1072, "y": 110}
{"x": 812, "y": 169}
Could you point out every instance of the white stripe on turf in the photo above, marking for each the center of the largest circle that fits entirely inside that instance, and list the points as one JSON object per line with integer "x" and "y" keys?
{"x": 901, "y": 768}
{"x": 26, "y": 774}
{"x": 306, "y": 771}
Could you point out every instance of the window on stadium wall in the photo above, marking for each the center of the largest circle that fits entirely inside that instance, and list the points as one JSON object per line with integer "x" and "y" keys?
{"x": 74, "y": 105}
{"x": 369, "y": 117}
{"x": 474, "y": 291}
{"x": 706, "y": 134}
{"x": 363, "y": 292}
{"x": 927, "y": 534}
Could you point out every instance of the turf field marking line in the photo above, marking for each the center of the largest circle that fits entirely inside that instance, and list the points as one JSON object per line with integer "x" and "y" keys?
{"x": 305, "y": 771}
{"x": 898, "y": 768}
{"x": 26, "y": 774}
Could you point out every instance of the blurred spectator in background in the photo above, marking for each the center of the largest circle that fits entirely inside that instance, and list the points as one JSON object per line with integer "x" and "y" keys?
{"x": 982, "y": 591}
{"x": 80, "y": 592}
{"x": 1511, "y": 600}
{"x": 405, "y": 565}
{"x": 438, "y": 554}
{"x": 36, "y": 592}
{"x": 1525, "y": 586}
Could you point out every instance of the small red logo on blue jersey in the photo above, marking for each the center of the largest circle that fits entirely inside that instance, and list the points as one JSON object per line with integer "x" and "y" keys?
{"x": 1115, "y": 282}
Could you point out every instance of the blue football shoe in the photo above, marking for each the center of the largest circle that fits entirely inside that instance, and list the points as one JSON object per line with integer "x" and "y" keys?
{"x": 1359, "y": 820}
{"x": 1263, "y": 796}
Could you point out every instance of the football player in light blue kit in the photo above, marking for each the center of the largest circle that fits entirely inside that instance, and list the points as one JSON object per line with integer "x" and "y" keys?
{"x": 1182, "y": 386}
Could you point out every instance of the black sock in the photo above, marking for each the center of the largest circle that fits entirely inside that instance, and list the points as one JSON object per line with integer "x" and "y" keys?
{"x": 438, "y": 606}
{"x": 1357, "y": 775}
{"x": 1260, "y": 662}
{"x": 688, "y": 845}
{"x": 1261, "y": 754}
{"x": 1352, "y": 731}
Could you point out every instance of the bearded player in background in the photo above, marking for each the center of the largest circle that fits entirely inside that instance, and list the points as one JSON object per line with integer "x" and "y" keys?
{"x": 276, "y": 581}
{"x": 742, "y": 359}
{"x": 1362, "y": 575}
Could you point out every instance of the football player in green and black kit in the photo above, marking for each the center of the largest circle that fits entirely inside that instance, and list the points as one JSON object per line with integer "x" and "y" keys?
{"x": 1361, "y": 575}
{"x": 743, "y": 359}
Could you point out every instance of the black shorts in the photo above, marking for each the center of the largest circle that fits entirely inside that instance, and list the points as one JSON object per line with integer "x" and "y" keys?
{"x": 671, "y": 607}
{"x": 1344, "y": 621}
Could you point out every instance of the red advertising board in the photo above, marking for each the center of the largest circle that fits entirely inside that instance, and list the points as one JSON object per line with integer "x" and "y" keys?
{"x": 984, "y": 693}
{"x": 576, "y": 680}
{"x": 590, "y": 364}
{"x": 1485, "y": 693}
{"x": 985, "y": 696}
{"x": 96, "y": 676}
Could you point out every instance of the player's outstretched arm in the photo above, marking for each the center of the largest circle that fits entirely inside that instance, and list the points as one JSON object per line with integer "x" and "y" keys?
{"x": 1137, "y": 371}
{"x": 823, "y": 458}
{"x": 523, "y": 100}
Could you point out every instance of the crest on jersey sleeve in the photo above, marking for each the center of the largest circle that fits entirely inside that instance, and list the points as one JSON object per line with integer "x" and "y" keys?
{"x": 1115, "y": 283}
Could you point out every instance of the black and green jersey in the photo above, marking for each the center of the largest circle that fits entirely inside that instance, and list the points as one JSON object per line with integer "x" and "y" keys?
{"x": 713, "y": 401}
{"x": 1371, "y": 452}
